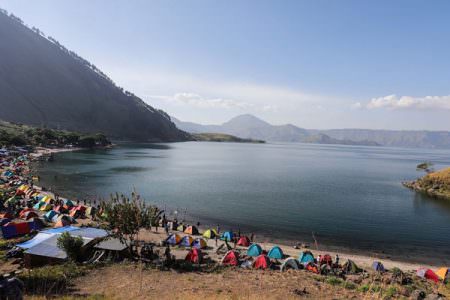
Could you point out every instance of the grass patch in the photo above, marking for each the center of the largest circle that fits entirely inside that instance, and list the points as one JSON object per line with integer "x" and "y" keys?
{"x": 51, "y": 279}
{"x": 363, "y": 288}
{"x": 349, "y": 285}
{"x": 334, "y": 280}
{"x": 390, "y": 292}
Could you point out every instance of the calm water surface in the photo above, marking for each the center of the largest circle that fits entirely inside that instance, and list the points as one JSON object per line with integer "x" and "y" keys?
{"x": 351, "y": 197}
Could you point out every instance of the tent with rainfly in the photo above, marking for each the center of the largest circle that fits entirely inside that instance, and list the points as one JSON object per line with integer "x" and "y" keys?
{"x": 199, "y": 243}
{"x": 186, "y": 241}
{"x": 191, "y": 230}
{"x": 210, "y": 234}
{"x": 50, "y": 214}
{"x": 173, "y": 239}
{"x": 442, "y": 273}
{"x": 428, "y": 274}
{"x": 243, "y": 241}
{"x": 350, "y": 267}
{"x": 46, "y": 207}
{"x": 254, "y": 250}
{"x": 194, "y": 256}
{"x": 290, "y": 263}
{"x": 275, "y": 253}
{"x": 306, "y": 257}
{"x": 181, "y": 228}
{"x": 378, "y": 266}
{"x": 261, "y": 262}
{"x": 231, "y": 258}
{"x": 38, "y": 205}
{"x": 227, "y": 236}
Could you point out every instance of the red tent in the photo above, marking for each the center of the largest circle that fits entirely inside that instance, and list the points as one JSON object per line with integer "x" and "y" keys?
{"x": 23, "y": 211}
{"x": 243, "y": 241}
{"x": 231, "y": 259}
{"x": 326, "y": 260}
{"x": 29, "y": 215}
{"x": 429, "y": 274}
{"x": 261, "y": 262}
{"x": 194, "y": 256}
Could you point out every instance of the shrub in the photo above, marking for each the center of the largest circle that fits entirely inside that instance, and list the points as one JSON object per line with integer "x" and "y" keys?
{"x": 349, "y": 285}
{"x": 71, "y": 245}
{"x": 334, "y": 280}
{"x": 390, "y": 292}
{"x": 363, "y": 288}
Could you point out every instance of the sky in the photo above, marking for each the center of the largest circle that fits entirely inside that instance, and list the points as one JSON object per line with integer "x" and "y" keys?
{"x": 315, "y": 64}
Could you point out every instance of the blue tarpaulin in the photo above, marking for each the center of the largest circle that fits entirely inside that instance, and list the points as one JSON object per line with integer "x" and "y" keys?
{"x": 39, "y": 238}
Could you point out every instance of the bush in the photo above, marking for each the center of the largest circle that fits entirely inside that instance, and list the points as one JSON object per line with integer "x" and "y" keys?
{"x": 363, "y": 288}
{"x": 71, "y": 245}
{"x": 334, "y": 280}
{"x": 349, "y": 285}
{"x": 390, "y": 292}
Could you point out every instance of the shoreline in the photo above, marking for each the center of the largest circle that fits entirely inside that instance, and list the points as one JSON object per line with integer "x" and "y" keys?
{"x": 361, "y": 257}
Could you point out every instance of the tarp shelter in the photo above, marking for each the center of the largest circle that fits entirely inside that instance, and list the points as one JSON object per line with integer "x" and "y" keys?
{"x": 442, "y": 273}
{"x": 227, "y": 236}
{"x": 173, "y": 239}
{"x": 231, "y": 258}
{"x": 199, "y": 243}
{"x": 261, "y": 262}
{"x": 186, "y": 241}
{"x": 210, "y": 234}
{"x": 428, "y": 274}
{"x": 351, "y": 268}
{"x": 290, "y": 263}
{"x": 181, "y": 228}
{"x": 254, "y": 250}
{"x": 243, "y": 241}
{"x": 50, "y": 214}
{"x": 194, "y": 256}
{"x": 37, "y": 239}
{"x": 306, "y": 257}
{"x": 378, "y": 266}
{"x": 275, "y": 253}
{"x": 191, "y": 230}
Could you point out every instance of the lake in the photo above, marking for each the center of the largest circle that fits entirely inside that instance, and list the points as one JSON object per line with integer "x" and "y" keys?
{"x": 349, "y": 196}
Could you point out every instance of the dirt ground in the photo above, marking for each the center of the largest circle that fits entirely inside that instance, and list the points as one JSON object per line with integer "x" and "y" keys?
{"x": 128, "y": 282}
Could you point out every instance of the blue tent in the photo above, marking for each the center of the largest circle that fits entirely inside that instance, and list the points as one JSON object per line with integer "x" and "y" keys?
{"x": 254, "y": 250}
{"x": 173, "y": 239}
{"x": 186, "y": 241}
{"x": 275, "y": 253}
{"x": 34, "y": 224}
{"x": 306, "y": 257}
{"x": 378, "y": 266}
{"x": 49, "y": 215}
{"x": 4, "y": 221}
{"x": 227, "y": 236}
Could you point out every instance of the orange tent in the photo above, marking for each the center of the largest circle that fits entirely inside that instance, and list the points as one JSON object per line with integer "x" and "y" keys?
{"x": 191, "y": 230}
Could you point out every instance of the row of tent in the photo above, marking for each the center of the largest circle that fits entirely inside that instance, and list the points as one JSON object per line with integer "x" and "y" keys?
{"x": 186, "y": 241}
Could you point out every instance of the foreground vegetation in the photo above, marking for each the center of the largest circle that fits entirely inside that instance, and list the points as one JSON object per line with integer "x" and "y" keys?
{"x": 12, "y": 134}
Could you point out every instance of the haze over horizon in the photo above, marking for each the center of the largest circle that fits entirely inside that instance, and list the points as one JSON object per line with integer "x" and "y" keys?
{"x": 321, "y": 65}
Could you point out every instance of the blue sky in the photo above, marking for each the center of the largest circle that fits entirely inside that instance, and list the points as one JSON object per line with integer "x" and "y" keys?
{"x": 316, "y": 64}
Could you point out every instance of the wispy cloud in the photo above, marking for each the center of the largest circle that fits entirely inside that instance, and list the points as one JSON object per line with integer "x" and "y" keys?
{"x": 407, "y": 102}
{"x": 199, "y": 101}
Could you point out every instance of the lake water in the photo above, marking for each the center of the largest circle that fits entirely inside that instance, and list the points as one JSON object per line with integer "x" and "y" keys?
{"x": 350, "y": 197}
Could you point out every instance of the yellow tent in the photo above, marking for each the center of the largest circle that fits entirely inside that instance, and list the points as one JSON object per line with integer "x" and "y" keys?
{"x": 46, "y": 207}
{"x": 23, "y": 187}
{"x": 442, "y": 273}
{"x": 210, "y": 234}
{"x": 46, "y": 199}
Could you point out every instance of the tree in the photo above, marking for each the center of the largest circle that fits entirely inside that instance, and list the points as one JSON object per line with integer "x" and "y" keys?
{"x": 425, "y": 166}
{"x": 126, "y": 217}
{"x": 71, "y": 245}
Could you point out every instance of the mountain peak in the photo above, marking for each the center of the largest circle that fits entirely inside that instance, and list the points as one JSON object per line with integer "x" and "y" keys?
{"x": 247, "y": 120}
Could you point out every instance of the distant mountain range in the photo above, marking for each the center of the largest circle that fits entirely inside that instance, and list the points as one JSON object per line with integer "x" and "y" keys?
{"x": 44, "y": 84}
{"x": 248, "y": 126}
{"x": 251, "y": 127}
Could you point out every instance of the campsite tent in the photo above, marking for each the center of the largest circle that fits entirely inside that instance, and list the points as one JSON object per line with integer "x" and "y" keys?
{"x": 254, "y": 250}
{"x": 290, "y": 263}
{"x": 186, "y": 241}
{"x": 39, "y": 205}
{"x": 181, "y": 228}
{"x": 25, "y": 210}
{"x": 191, "y": 230}
{"x": 199, "y": 243}
{"x": 29, "y": 215}
{"x": 442, "y": 273}
{"x": 275, "y": 253}
{"x": 378, "y": 266}
{"x": 428, "y": 274}
{"x": 227, "y": 236}
{"x": 194, "y": 256}
{"x": 173, "y": 239}
{"x": 351, "y": 268}
{"x": 231, "y": 258}
{"x": 13, "y": 229}
{"x": 243, "y": 241}
{"x": 50, "y": 215}
{"x": 306, "y": 257}
{"x": 210, "y": 234}
{"x": 46, "y": 207}
{"x": 261, "y": 262}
